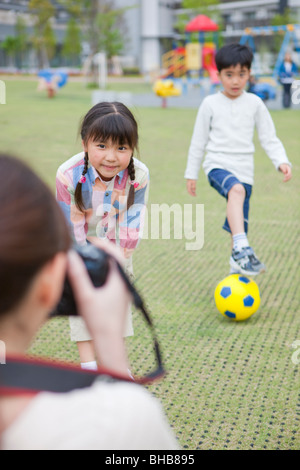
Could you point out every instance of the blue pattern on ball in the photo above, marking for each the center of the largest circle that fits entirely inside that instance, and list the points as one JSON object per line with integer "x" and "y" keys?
{"x": 230, "y": 314}
{"x": 248, "y": 301}
{"x": 244, "y": 279}
{"x": 225, "y": 292}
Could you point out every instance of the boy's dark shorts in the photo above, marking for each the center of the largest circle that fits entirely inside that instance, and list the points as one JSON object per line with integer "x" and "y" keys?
{"x": 223, "y": 181}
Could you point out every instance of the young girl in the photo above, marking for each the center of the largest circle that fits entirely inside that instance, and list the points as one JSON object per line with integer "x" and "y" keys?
{"x": 103, "y": 192}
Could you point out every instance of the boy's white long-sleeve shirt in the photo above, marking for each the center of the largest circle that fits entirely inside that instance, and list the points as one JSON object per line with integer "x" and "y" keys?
{"x": 224, "y": 130}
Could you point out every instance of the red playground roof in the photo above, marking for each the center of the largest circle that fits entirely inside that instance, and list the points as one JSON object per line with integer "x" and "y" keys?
{"x": 201, "y": 23}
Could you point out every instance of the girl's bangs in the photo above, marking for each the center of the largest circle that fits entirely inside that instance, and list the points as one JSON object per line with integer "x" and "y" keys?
{"x": 115, "y": 128}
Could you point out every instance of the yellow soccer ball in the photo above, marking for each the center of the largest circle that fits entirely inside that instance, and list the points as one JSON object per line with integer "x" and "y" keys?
{"x": 237, "y": 297}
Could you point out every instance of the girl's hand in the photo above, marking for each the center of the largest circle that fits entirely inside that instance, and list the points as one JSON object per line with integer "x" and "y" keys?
{"x": 104, "y": 311}
{"x": 191, "y": 187}
{"x": 286, "y": 170}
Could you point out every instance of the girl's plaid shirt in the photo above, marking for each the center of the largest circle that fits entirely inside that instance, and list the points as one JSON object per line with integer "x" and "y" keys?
{"x": 106, "y": 214}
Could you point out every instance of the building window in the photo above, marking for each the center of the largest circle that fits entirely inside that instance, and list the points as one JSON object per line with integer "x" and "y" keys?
{"x": 250, "y": 15}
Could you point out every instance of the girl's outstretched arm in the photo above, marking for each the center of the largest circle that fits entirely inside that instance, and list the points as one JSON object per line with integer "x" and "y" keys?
{"x": 131, "y": 222}
{"x": 75, "y": 218}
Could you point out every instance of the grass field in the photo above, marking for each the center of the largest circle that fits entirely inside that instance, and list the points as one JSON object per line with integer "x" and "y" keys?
{"x": 228, "y": 385}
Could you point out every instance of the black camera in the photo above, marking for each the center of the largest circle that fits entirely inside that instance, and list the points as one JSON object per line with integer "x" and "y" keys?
{"x": 97, "y": 265}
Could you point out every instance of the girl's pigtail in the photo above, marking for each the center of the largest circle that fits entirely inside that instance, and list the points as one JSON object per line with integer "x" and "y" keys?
{"x": 78, "y": 191}
{"x": 131, "y": 172}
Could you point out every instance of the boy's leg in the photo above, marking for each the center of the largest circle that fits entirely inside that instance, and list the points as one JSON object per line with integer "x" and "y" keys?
{"x": 235, "y": 204}
{"x": 235, "y": 218}
{"x": 234, "y": 192}
{"x": 243, "y": 258}
{"x": 235, "y": 215}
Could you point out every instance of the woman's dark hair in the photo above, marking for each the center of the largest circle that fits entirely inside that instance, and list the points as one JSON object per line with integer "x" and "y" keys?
{"x": 103, "y": 122}
{"x": 232, "y": 55}
{"x": 32, "y": 229}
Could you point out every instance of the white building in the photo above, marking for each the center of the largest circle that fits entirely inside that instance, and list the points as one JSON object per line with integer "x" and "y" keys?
{"x": 151, "y": 24}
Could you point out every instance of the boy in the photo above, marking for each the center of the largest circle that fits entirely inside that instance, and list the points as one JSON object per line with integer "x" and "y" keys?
{"x": 224, "y": 128}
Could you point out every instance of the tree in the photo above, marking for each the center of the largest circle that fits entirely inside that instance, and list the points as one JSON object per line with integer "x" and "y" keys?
{"x": 110, "y": 37}
{"x": 72, "y": 42}
{"x": 281, "y": 19}
{"x": 9, "y": 45}
{"x": 50, "y": 41}
{"x": 102, "y": 27}
{"x": 105, "y": 30}
{"x": 73, "y": 7}
{"x": 15, "y": 46}
{"x": 199, "y": 6}
{"x": 278, "y": 20}
{"x": 43, "y": 39}
{"x": 22, "y": 39}
{"x": 203, "y": 7}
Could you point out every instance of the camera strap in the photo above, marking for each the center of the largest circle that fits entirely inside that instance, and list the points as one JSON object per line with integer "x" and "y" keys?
{"x": 22, "y": 375}
{"x": 29, "y": 376}
{"x": 139, "y": 304}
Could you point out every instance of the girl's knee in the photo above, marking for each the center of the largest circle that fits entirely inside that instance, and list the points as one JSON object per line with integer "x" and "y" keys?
{"x": 237, "y": 190}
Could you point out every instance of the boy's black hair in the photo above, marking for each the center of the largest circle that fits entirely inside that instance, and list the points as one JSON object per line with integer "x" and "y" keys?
{"x": 232, "y": 55}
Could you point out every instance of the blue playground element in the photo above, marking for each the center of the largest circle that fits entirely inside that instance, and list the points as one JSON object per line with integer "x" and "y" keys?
{"x": 49, "y": 75}
{"x": 264, "y": 90}
{"x": 291, "y": 32}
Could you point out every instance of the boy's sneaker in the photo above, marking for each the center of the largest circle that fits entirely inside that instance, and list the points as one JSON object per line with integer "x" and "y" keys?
{"x": 245, "y": 262}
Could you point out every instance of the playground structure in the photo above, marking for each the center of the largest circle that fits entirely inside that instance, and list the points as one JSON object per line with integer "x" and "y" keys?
{"x": 190, "y": 63}
{"x": 164, "y": 89}
{"x": 290, "y": 35}
{"x": 51, "y": 81}
{"x": 265, "y": 86}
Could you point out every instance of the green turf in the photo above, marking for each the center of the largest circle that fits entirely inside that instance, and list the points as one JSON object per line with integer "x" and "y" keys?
{"x": 229, "y": 385}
